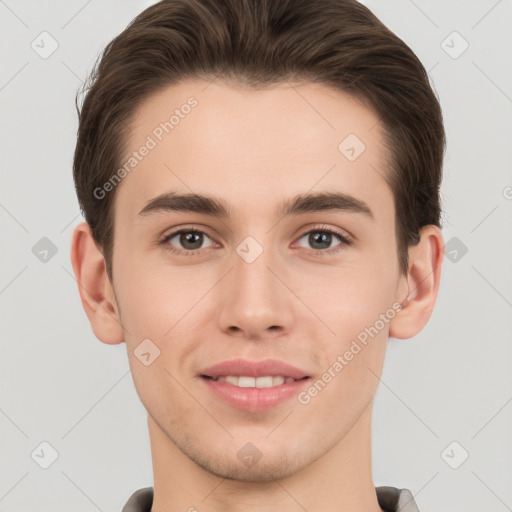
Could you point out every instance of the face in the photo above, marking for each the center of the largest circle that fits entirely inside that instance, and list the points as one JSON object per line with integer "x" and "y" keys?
{"x": 244, "y": 277}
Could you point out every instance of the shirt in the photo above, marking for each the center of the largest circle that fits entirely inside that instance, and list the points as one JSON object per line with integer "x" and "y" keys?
{"x": 391, "y": 499}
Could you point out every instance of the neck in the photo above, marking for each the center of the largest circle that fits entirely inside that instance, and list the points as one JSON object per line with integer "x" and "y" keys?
{"x": 339, "y": 481}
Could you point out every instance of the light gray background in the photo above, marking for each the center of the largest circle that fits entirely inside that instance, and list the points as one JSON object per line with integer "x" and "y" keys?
{"x": 452, "y": 382}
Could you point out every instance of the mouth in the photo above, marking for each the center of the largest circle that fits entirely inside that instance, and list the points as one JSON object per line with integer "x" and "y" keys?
{"x": 245, "y": 369}
{"x": 254, "y": 385}
{"x": 246, "y": 381}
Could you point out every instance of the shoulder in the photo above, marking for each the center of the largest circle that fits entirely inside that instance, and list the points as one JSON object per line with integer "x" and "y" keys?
{"x": 392, "y": 499}
{"x": 140, "y": 501}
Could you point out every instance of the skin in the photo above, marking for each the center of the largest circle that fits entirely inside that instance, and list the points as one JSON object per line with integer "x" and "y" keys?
{"x": 253, "y": 149}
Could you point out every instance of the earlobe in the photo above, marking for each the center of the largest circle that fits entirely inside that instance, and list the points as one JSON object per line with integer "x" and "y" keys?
{"x": 96, "y": 292}
{"x": 422, "y": 282}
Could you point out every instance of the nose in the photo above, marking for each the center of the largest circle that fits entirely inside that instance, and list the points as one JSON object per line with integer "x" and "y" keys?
{"x": 254, "y": 300}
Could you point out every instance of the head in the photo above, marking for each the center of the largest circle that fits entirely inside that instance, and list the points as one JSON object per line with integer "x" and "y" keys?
{"x": 256, "y": 105}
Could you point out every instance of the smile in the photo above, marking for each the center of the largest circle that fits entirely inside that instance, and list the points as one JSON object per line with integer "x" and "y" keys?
{"x": 245, "y": 381}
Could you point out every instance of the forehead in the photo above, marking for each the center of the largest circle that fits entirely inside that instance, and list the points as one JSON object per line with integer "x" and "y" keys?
{"x": 253, "y": 147}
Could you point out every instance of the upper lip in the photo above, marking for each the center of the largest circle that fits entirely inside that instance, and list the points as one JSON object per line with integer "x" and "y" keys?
{"x": 267, "y": 367}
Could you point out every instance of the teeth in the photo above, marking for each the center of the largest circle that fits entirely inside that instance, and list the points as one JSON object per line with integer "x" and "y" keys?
{"x": 246, "y": 382}
{"x": 231, "y": 380}
{"x": 255, "y": 382}
{"x": 276, "y": 381}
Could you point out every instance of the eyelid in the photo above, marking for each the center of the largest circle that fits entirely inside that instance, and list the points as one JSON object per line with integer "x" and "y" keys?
{"x": 169, "y": 233}
{"x": 344, "y": 234}
{"x": 204, "y": 229}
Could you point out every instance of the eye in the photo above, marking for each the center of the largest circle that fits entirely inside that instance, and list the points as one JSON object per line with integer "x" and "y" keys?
{"x": 190, "y": 239}
{"x": 320, "y": 239}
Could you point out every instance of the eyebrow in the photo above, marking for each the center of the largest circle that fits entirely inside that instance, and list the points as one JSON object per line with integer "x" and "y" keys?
{"x": 300, "y": 204}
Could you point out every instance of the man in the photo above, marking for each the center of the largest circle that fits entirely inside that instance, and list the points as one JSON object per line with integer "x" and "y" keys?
{"x": 260, "y": 183}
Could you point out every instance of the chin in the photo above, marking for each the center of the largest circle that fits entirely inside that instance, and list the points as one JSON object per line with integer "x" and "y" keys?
{"x": 260, "y": 472}
{"x": 266, "y": 469}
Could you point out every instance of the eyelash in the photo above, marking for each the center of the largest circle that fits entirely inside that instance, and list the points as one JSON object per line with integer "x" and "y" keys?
{"x": 345, "y": 241}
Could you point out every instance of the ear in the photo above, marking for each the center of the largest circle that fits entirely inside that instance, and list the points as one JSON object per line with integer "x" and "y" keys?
{"x": 417, "y": 290}
{"x": 96, "y": 291}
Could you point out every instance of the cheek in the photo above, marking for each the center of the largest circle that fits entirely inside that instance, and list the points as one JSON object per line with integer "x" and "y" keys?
{"x": 351, "y": 359}
{"x": 348, "y": 298}
{"x": 357, "y": 305}
{"x": 155, "y": 298}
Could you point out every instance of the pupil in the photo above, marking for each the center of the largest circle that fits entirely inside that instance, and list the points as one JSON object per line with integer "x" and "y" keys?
{"x": 325, "y": 239}
{"x": 188, "y": 238}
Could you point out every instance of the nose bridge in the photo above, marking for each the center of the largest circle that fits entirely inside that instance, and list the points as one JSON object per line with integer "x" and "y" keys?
{"x": 252, "y": 265}
{"x": 256, "y": 300}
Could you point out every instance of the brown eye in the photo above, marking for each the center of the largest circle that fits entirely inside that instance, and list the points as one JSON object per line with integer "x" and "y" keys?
{"x": 321, "y": 240}
{"x": 187, "y": 240}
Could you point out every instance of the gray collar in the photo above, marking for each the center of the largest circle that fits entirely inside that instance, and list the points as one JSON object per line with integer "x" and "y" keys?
{"x": 391, "y": 499}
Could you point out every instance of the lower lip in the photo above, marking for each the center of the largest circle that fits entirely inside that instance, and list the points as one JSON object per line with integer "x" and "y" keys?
{"x": 255, "y": 399}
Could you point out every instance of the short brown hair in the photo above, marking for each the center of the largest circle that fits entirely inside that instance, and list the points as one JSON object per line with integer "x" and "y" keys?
{"x": 340, "y": 43}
